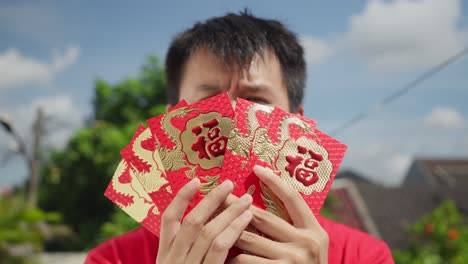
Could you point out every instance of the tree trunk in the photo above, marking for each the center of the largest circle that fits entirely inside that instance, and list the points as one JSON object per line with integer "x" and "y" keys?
{"x": 35, "y": 160}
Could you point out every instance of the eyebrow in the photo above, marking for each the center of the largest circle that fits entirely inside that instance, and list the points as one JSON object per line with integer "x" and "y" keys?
{"x": 258, "y": 88}
{"x": 209, "y": 88}
{"x": 250, "y": 88}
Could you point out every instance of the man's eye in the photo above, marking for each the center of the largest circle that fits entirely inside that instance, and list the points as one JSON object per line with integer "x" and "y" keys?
{"x": 257, "y": 100}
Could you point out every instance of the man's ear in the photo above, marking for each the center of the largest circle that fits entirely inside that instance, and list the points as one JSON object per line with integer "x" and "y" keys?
{"x": 300, "y": 110}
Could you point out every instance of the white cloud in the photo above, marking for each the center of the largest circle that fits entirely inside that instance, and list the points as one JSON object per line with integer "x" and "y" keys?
{"x": 59, "y": 108}
{"x": 444, "y": 117}
{"x": 465, "y": 142}
{"x": 381, "y": 162}
{"x": 403, "y": 35}
{"x": 399, "y": 164}
{"x": 316, "y": 50}
{"x": 384, "y": 147}
{"x": 17, "y": 69}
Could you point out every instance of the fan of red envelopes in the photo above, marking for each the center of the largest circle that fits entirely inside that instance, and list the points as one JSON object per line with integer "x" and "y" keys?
{"x": 214, "y": 142}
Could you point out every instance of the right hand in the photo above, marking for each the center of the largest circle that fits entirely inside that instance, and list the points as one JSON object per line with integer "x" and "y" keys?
{"x": 199, "y": 238}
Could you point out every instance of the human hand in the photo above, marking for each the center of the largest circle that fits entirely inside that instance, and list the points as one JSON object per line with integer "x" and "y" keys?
{"x": 200, "y": 238}
{"x": 303, "y": 241}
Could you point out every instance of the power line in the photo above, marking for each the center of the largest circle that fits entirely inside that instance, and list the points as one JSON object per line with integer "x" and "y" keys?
{"x": 400, "y": 92}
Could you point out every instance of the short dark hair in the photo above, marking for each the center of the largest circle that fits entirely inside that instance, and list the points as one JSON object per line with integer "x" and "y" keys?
{"x": 236, "y": 38}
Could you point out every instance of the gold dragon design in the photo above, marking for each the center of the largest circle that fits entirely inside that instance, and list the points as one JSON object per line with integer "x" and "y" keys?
{"x": 154, "y": 178}
{"x": 239, "y": 144}
{"x": 142, "y": 202}
{"x": 173, "y": 159}
{"x": 266, "y": 151}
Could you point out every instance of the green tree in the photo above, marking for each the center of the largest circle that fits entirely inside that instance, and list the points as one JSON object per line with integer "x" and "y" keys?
{"x": 75, "y": 178}
{"x": 439, "y": 237}
{"x": 25, "y": 230}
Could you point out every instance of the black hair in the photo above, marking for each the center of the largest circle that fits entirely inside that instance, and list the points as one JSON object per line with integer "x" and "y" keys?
{"x": 236, "y": 38}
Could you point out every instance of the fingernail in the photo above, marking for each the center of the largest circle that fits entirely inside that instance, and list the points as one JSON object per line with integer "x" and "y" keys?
{"x": 246, "y": 215}
{"x": 195, "y": 182}
{"x": 227, "y": 184}
{"x": 260, "y": 170}
{"x": 246, "y": 199}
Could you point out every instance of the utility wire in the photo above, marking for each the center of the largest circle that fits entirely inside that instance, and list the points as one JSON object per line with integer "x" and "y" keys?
{"x": 400, "y": 92}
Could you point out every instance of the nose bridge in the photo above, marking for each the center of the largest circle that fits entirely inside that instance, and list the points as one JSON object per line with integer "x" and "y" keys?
{"x": 237, "y": 80}
{"x": 233, "y": 88}
{"x": 233, "y": 92}
{"x": 233, "y": 102}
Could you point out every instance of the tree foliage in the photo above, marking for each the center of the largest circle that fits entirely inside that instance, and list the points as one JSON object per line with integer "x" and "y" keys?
{"x": 75, "y": 178}
{"x": 439, "y": 237}
{"x": 132, "y": 99}
{"x": 119, "y": 223}
{"x": 25, "y": 230}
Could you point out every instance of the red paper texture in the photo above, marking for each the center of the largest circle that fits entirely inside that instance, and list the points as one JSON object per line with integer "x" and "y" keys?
{"x": 250, "y": 120}
{"x": 127, "y": 192}
{"x": 301, "y": 155}
{"x": 192, "y": 142}
{"x": 211, "y": 141}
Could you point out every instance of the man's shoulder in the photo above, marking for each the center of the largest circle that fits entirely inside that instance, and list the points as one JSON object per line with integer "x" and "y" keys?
{"x": 348, "y": 244}
{"x": 138, "y": 243}
{"x": 344, "y": 233}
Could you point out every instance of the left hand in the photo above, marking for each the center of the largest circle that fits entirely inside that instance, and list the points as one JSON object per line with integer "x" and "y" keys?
{"x": 303, "y": 241}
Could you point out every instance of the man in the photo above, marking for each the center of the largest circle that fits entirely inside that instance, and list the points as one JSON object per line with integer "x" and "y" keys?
{"x": 258, "y": 60}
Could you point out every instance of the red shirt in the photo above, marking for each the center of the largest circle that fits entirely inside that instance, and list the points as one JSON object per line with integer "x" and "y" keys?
{"x": 347, "y": 245}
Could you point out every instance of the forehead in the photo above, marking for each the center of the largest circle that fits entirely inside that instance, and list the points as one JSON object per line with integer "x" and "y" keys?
{"x": 206, "y": 70}
{"x": 261, "y": 81}
{"x": 218, "y": 58}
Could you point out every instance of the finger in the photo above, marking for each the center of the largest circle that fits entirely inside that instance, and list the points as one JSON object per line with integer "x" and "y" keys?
{"x": 300, "y": 213}
{"x": 171, "y": 217}
{"x": 196, "y": 219}
{"x": 268, "y": 223}
{"x": 210, "y": 231}
{"x": 260, "y": 246}
{"x": 273, "y": 226}
{"x": 223, "y": 242}
{"x": 249, "y": 259}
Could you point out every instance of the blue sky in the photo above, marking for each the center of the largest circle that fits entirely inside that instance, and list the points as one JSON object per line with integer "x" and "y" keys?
{"x": 357, "y": 51}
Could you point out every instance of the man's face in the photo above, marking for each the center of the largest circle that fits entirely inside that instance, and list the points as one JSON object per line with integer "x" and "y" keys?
{"x": 205, "y": 76}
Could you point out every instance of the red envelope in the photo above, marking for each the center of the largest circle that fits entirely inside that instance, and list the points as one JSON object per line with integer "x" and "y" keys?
{"x": 301, "y": 155}
{"x": 156, "y": 128}
{"x": 192, "y": 142}
{"x": 211, "y": 141}
{"x": 146, "y": 166}
{"x": 180, "y": 104}
{"x": 127, "y": 192}
{"x": 134, "y": 188}
{"x": 251, "y": 119}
